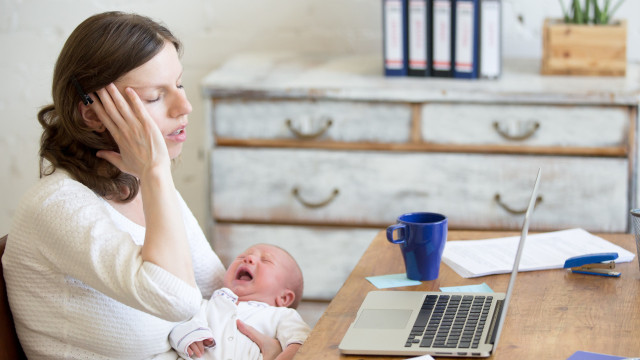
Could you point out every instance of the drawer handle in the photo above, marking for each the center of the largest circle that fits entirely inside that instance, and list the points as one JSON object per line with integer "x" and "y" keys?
{"x": 534, "y": 126}
{"x": 510, "y": 209}
{"x": 309, "y": 136}
{"x": 296, "y": 194}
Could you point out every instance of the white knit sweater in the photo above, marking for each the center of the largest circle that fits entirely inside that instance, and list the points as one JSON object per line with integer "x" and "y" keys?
{"x": 78, "y": 287}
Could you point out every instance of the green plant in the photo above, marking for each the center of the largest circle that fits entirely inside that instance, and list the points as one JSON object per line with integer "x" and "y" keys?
{"x": 589, "y": 11}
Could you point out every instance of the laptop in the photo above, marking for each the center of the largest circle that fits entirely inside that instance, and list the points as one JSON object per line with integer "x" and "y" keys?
{"x": 414, "y": 323}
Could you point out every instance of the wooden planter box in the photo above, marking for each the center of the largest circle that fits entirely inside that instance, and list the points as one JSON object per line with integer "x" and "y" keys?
{"x": 569, "y": 49}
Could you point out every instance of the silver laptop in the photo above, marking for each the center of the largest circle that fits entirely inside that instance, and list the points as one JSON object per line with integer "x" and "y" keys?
{"x": 436, "y": 323}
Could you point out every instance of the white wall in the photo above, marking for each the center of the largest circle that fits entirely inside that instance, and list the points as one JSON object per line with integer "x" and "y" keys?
{"x": 32, "y": 33}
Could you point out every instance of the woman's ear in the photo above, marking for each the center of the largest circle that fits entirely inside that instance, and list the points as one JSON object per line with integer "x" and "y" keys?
{"x": 286, "y": 298}
{"x": 90, "y": 117}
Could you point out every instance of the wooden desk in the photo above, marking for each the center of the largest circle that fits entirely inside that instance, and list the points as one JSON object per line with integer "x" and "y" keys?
{"x": 552, "y": 313}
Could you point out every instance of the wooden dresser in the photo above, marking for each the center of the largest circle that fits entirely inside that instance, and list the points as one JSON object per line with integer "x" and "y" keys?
{"x": 319, "y": 154}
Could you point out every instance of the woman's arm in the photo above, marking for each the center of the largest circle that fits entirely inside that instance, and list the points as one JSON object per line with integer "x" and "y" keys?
{"x": 207, "y": 267}
{"x": 73, "y": 235}
{"x": 143, "y": 153}
{"x": 289, "y": 352}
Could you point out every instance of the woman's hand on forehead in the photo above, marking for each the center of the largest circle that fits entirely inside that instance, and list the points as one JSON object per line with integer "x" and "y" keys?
{"x": 142, "y": 146}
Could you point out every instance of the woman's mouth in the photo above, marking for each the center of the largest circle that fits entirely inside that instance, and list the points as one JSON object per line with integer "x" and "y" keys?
{"x": 179, "y": 135}
{"x": 177, "y": 132}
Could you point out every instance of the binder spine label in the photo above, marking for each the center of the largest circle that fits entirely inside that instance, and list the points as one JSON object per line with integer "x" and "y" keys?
{"x": 464, "y": 36}
{"x": 490, "y": 53}
{"x": 441, "y": 35}
{"x": 394, "y": 57}
{"x": 417, "y": 34}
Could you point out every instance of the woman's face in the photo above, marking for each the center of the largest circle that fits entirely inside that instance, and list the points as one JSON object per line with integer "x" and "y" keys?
{"x": 158, "y": 83}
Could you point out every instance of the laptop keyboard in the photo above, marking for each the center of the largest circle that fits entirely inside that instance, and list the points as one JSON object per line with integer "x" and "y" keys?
{"x": 450, "y": 321}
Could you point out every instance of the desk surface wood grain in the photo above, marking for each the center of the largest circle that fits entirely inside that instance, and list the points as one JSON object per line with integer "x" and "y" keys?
{"x": 552, "y": 314}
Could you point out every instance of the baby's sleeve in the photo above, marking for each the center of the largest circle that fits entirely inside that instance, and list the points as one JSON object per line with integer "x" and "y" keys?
{"x": 291, "y": 329}
{"x": 188, "y": 332}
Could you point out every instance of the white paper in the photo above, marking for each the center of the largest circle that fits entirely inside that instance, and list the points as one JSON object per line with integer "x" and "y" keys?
{"x": 473, "y": 258}
{"x": 423, "y": 357}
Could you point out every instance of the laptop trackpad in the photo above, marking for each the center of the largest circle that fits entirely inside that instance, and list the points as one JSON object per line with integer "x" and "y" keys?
{"x": 383, "y": 319}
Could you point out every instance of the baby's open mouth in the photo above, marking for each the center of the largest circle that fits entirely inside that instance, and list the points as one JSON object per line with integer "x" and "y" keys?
{"x": 244, "y": 275}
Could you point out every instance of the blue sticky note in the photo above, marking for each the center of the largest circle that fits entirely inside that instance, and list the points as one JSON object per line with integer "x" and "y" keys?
{"x": 393, "y": 280}
{"x": 467, "y": 288}
{"x": 585, "y": 355}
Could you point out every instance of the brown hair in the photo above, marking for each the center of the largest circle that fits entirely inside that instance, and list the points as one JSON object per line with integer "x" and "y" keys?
{"x": 100, "y": 50}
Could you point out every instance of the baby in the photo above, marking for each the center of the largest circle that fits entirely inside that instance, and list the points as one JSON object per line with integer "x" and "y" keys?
{"x": 262, "y": 287}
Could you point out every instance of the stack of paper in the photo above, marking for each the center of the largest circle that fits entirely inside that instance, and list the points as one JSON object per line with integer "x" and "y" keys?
{"x": 473, "y": 258}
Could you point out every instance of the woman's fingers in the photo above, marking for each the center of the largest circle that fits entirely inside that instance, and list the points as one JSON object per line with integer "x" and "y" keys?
{"x": 110, "y": 114}
{"x": 117, "y": 111}
{"x": 138, "y": 108}
{"x": 111, "y": 156}
{"x": 117, "y": 107}
{"x": 269, "y": 347}
{"x": 139, "y": 140}
{"x": 139, "y": 112}
{"x": 98, "y": 108}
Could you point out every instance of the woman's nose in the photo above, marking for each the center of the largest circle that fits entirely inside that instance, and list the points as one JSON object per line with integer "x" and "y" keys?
{"x": 180, "y": 106}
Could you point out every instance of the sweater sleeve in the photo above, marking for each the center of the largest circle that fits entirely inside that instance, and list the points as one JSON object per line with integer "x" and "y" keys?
{"x": 80, "y": 239}
{"x": 209, "y": 270}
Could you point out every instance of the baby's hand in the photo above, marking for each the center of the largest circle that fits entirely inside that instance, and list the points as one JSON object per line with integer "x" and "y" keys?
{"x": 197, "y": 348}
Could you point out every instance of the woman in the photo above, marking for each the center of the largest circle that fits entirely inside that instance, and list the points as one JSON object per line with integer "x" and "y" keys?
{"x": 104, "y": 256}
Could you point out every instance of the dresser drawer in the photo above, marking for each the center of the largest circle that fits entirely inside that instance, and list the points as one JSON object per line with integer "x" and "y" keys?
{"x": 368, "y": 188}
{"x": 342, "y": 121}
{"x": 326, "y": 255}
{"x": 531, "y": 125}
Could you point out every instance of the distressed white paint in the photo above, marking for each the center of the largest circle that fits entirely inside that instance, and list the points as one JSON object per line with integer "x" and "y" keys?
{"x": 32, "y": 33}
{"x": 326, "y": 255}
{"x": 333, "y": 120}
{"x": 579, "y": 126}
{"x": 252, "y": 184}
{"x": 357, "y": 77}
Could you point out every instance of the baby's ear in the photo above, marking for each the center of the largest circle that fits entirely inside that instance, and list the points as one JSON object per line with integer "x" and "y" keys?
{"x": 90, "y": 117}
{"x": 286, "y": 298}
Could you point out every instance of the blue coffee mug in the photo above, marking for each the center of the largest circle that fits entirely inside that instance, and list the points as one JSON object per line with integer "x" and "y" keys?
{"x": 422, "y": 237}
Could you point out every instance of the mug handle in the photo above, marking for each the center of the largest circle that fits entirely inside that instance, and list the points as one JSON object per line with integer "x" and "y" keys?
{"x": 390, "y": 231}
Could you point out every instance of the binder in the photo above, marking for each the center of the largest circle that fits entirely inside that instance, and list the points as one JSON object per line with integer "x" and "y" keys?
{"x": 395, "y": 37}
{"x": 466, "y": 39}
{"x": 490, "y": 39}
{"x": 419, "y": 40}
{"x": 442, "y": 35}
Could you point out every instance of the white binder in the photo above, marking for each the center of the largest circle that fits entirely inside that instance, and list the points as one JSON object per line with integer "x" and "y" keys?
{"x": 490, "y": 39}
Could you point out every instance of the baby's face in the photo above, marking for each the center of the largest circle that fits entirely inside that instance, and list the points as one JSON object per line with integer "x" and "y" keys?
{"x": 260, "y": 274}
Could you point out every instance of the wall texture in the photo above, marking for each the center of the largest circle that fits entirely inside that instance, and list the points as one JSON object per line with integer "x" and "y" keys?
{"x": 33, "y": 32}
